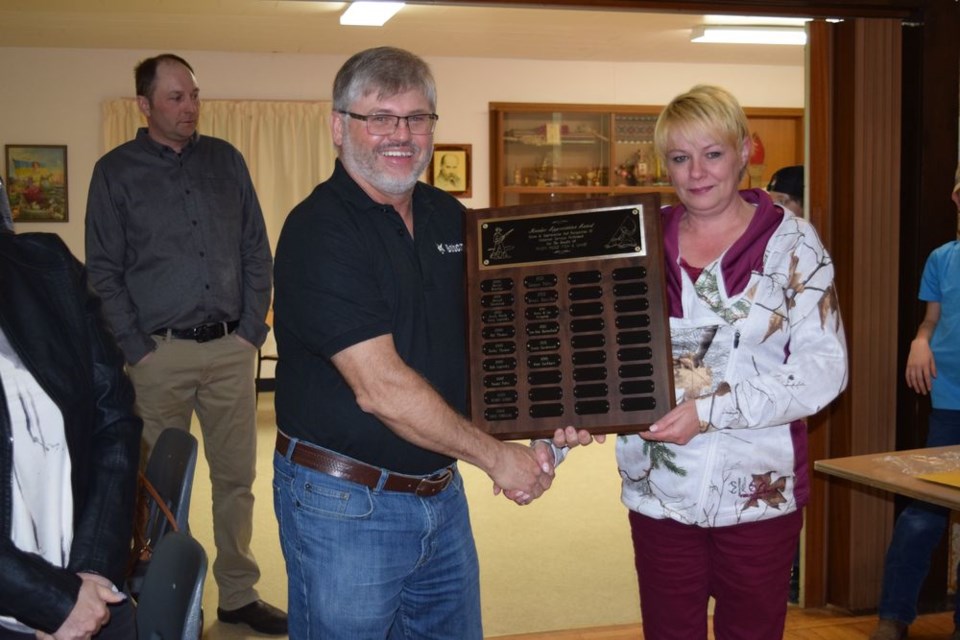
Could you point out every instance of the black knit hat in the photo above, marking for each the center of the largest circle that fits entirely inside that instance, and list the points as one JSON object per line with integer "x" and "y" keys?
{"x": 788, "y": 180}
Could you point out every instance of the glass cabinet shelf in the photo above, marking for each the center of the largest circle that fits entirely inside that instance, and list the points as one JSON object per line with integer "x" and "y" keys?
{"x": 551, "y": 152}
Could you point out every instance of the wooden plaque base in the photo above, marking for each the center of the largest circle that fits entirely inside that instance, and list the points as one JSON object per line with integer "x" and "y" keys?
{"x": 567, "y": 317}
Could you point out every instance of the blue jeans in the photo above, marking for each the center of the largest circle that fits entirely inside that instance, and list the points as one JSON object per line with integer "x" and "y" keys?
{"x": 372, "y": 564}
{"x": 916, "y": 534}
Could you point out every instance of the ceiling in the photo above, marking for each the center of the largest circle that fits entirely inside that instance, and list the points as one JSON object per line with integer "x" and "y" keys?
{"x": 307, "y": 26}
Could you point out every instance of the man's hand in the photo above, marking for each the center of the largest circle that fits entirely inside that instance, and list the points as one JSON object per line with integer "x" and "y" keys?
{"x": 543, "y": 454}
{"x": 562, "y": 438}
{"x": 522, "y": 473}
{"x": 244, "y": 341}
{"x": 90, "y": 612}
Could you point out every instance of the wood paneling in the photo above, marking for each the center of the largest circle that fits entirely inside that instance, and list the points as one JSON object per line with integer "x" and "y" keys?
{"x": 865, "y": 217}
{"x": 813, "y": 572}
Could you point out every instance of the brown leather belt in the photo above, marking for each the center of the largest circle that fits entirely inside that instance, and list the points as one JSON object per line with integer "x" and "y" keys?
{"x": 355, "y": 471}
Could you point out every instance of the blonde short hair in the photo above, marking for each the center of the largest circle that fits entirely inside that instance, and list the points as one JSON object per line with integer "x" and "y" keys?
{"x": 702, "y": 109}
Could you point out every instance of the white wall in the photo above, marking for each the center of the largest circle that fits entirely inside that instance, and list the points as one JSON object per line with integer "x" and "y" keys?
{"x": 566, "y": 561}
{"x": 53, "y": 96}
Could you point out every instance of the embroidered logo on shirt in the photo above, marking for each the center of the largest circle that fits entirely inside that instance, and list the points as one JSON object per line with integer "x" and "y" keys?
{"x": 450, "y": 248}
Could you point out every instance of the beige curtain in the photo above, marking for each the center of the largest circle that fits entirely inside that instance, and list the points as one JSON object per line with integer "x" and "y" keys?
{"x": 286, "y": 144}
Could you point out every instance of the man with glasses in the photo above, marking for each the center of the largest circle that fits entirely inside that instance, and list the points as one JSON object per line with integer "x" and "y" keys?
{"x": 371, "y": 381}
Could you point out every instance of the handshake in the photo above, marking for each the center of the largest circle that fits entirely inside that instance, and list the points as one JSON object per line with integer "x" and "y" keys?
{"x": 522, "y": 473}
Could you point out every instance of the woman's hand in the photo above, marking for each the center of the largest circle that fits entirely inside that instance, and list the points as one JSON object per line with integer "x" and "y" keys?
{"x": 90, "y": 612}
{"x": 678, "y": 426}
{"x": 570, "y": 437}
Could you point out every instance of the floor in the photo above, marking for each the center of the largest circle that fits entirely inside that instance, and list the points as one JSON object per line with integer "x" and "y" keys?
{"x": 802, "y": 624}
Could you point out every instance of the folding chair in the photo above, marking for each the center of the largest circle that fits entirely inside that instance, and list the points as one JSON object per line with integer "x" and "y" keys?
{"x": 172, "y": 590}
{"x": 170, "y": 471}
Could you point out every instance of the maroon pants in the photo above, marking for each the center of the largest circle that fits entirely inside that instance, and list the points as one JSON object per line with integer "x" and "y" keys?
{"x": 745, "y": 567}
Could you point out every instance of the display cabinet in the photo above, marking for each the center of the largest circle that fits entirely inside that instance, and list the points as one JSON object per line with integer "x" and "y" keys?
{"x": 552, "y": 152}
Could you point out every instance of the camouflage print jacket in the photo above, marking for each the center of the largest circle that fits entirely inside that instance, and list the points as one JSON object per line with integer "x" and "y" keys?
{"x": 758, "y": 344}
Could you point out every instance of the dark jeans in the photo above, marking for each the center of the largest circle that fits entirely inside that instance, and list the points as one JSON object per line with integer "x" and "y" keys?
{"x": 916, "y": 534}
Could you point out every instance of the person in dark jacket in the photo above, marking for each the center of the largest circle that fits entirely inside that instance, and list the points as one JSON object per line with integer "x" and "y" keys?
{"x": 69, "y": 450}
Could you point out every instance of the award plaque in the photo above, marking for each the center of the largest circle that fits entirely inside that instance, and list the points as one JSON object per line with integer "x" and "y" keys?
{"x": 567, "y": 317}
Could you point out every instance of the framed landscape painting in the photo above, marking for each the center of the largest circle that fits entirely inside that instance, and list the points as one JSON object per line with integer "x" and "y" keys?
{"x": 36, "y": 182}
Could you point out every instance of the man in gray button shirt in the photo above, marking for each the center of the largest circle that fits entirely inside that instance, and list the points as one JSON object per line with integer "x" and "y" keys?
{"x": 177, "y": 248}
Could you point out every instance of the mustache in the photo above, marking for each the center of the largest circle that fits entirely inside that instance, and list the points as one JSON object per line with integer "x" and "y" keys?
{"x": 398, "y": 146}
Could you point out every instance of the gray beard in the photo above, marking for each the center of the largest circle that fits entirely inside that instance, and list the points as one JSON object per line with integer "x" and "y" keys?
{"x": 363, "y": 163}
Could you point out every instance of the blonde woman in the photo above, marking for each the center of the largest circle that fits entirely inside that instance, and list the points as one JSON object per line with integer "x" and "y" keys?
{"x": 717, "y": 486}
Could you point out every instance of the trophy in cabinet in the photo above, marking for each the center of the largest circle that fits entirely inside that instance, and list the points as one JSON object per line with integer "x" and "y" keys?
{"x": 567, "y": 317}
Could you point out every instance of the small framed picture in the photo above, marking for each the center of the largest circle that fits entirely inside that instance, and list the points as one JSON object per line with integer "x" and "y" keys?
{"x": 36, "y": 182}
{"x": 450, "y": 169}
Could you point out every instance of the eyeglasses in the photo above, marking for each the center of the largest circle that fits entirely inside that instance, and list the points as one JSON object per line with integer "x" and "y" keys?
{"x": 384, "y": 124}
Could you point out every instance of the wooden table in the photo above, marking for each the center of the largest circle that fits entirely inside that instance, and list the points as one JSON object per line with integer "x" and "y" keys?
{"x": 896, "y": 471}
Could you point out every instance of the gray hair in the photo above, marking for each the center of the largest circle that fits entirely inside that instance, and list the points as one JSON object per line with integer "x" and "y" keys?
{"x": 388, "y": 71}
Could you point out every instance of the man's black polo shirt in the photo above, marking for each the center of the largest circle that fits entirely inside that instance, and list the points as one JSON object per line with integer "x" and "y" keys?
{"x": 346, "y": 271}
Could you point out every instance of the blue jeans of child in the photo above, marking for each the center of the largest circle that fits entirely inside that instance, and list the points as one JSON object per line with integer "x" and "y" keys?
{"x": 367, "y": 563}
{"x": 916, "y": 534}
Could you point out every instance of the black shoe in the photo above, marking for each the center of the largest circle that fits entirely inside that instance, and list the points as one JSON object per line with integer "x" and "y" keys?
{"x": 259, "y": 616}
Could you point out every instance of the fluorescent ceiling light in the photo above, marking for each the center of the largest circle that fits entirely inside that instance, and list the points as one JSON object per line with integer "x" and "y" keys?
{"x": 749, "y": 34}
{"x": 369, "y": 14}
